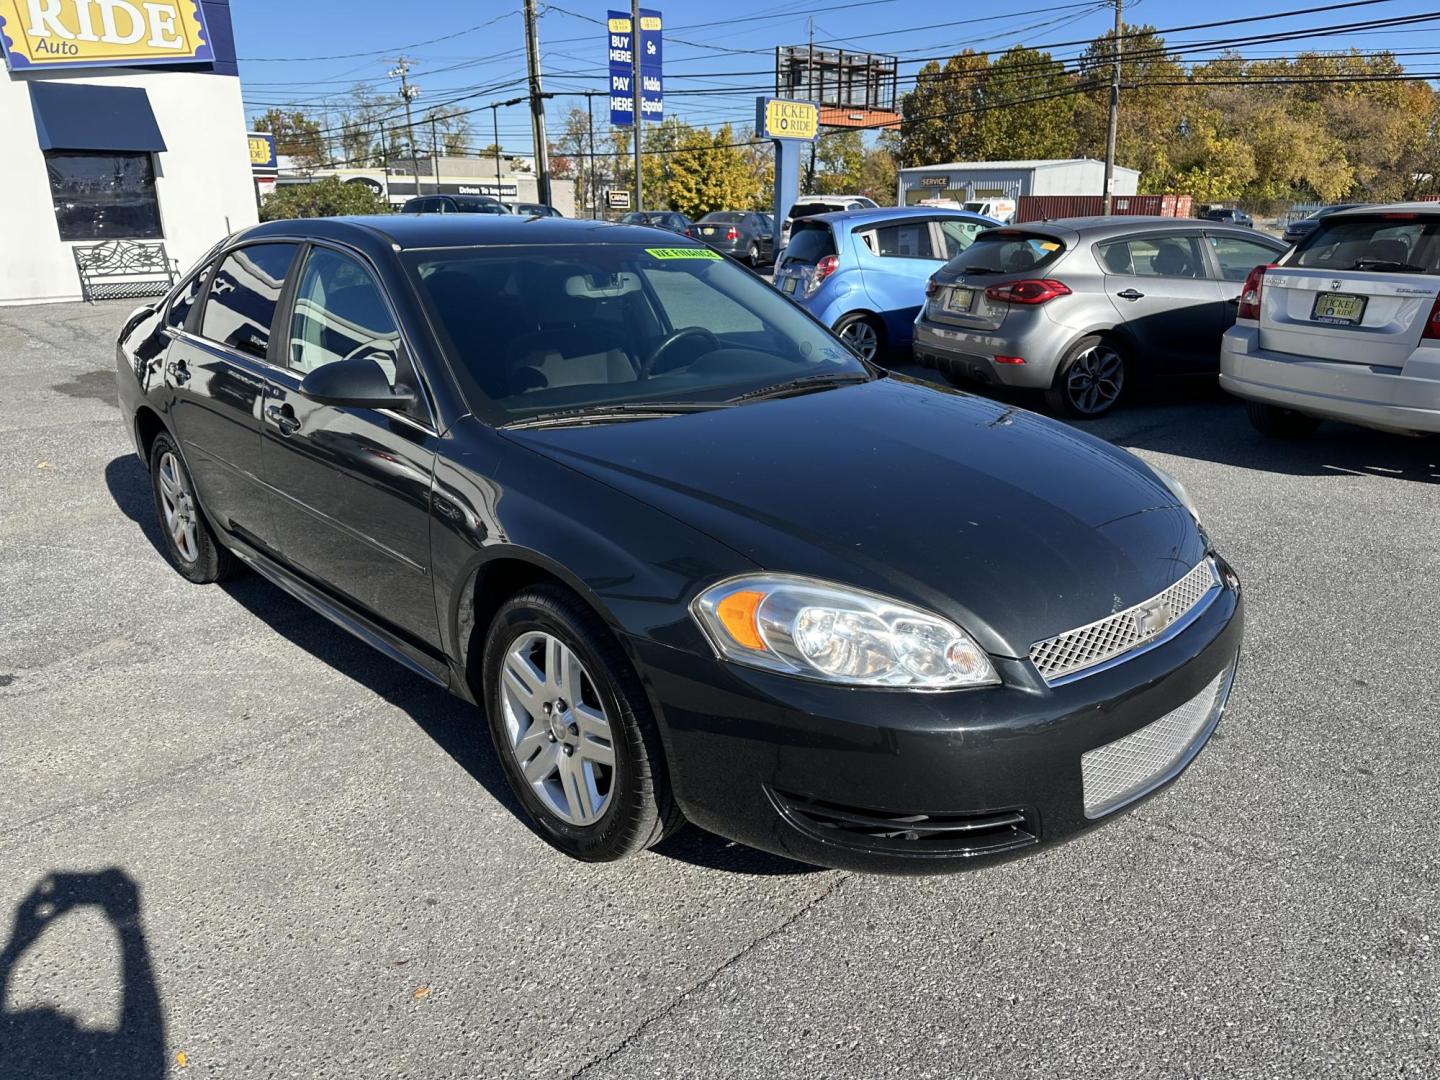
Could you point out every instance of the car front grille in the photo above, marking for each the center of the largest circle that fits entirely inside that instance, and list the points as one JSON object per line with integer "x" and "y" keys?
{"x": 1122, "y": 771}
{"x": 984, "y": 833}
{"x": 1075, "y": 652}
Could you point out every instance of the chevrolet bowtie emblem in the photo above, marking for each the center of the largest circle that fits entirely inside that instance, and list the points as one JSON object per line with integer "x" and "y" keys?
{"x": 1152, "y": 618}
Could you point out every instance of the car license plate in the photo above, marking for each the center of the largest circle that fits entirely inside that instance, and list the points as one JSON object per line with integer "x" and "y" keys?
{"x": 789, "y": 284}
{"x": 708, "y": 232}
{"x": 1339, "y": 309}
{"x": 960, "y": 301}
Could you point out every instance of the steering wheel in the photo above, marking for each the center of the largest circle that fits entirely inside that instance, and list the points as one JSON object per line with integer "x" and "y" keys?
{"x": 653, "y": 365}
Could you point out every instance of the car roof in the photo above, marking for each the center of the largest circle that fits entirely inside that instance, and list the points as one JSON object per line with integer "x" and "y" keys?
{"x": 1099, "y": 227}
{"x": 855, "y": 218}
{"x": 1366, "y": 209}
{"x": 417, "y": 231}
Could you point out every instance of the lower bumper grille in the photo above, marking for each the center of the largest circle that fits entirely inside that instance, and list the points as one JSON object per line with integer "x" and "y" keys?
{"x": 913, "y": 834}
{"x": 1122, "y": 771}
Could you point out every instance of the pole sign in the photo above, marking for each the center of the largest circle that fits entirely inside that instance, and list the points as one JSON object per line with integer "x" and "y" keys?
{"x": 776, "y": 118}
{"x": 652, "y": 77}
{"x": 103, "y": 33}
{"x": 262, "y": 152}
{"x": 617, "y": 199}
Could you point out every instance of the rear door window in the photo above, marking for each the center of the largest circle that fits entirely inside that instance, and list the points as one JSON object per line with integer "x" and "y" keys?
{"x": 957, "y": 236}
{"x": 905, "y": 240}
{"x": 240, "y": 309}
{"x": 1007, "y": 251}
{"x": 1385, "y": 243}
{"x": 1154, "y": 256}
{"x": 810, "y": 244}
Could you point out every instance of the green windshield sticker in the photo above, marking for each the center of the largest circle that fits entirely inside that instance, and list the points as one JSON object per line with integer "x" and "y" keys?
{"x": 683, "y": 253}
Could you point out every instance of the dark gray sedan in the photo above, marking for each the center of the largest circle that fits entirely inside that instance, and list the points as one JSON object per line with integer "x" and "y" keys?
{"x": 741, "y": 234}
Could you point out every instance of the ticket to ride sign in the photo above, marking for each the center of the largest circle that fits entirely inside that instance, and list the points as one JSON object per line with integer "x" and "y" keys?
{"x": 103, "y": 33}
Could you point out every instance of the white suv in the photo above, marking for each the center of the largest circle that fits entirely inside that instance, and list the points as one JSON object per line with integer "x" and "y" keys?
{"x": 1345, "y": 327}
{"x": 810, "y": 205}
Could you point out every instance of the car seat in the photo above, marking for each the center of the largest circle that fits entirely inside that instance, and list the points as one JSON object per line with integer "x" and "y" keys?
{"x": 1170, "y": 260}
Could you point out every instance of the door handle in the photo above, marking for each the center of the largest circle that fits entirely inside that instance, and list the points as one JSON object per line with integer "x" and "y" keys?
{"x": 283, "y": 417}
{"x": 1130, "y": 294}
{"x": 178, "y": 371}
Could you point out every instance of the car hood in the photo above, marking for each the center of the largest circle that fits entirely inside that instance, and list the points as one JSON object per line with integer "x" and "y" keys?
{"x": 1015, "y": 525}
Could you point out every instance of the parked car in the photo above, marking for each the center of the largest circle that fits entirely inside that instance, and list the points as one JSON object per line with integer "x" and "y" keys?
{"x": 454, "y": 204}
{"x": 536, "y": 209}
{"x": 1345, "y": 327}
{"x": 810, "y": 205}
{"x": 1078, "y": 308}
{"x": 1228, "y": 215}
{"x": 863, "y": 272}
{"x": 668, "y": 220}
{"x": 742, "y": 234}
{"x": 588, "y": 482}
{"x": 1298, "y": 230}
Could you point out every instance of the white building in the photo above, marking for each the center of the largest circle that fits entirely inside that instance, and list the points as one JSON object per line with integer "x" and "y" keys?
{"x": 119, "y": 121}
{"x": 968, "y": 181}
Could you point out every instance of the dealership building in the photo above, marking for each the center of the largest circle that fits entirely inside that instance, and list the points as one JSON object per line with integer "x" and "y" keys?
{"x": 121, "y": 121}
{"x": 967, "y": 181}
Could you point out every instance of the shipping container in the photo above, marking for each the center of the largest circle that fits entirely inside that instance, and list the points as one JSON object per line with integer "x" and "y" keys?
{"x": 1052, "y": 207}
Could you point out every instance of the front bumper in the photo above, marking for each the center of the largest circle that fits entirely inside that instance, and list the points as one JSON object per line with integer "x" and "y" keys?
{"x": 970, "y": 354}
{"x": 1382, "y": 398}
{"x": 906, "y": 782}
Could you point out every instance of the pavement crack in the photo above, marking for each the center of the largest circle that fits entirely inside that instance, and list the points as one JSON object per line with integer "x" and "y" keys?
{"x": 703, "y": 983}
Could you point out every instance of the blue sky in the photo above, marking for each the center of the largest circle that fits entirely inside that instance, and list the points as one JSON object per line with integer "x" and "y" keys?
{"x": 725, "y": 48}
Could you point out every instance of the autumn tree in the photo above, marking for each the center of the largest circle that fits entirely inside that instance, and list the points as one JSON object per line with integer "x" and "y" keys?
{"x": 297, "y": 136}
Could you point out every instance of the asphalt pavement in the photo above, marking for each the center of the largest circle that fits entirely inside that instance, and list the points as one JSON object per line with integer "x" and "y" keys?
{"x": 236, "y": 842}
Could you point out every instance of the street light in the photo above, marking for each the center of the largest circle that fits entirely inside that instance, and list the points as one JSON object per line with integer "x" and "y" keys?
{"x": 495, "y": 106}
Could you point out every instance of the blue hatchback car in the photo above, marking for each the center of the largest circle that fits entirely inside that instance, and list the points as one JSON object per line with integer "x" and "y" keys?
{"x": 863, "y": 272}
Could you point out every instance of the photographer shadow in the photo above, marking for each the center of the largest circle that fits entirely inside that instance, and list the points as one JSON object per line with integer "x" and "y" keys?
{"x": 46, "y": 1043}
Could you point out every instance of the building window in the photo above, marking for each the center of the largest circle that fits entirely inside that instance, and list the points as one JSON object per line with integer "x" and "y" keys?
{"x": 103, "y": 195}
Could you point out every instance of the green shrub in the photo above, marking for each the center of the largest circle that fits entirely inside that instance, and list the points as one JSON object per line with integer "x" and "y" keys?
{"x": 329, "y": 197}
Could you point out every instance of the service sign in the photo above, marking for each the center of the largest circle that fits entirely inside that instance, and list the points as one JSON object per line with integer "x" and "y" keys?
{"x": 619, "y": 43}
{"x": 776, "y": 118}
{"x": 103, "y": 33}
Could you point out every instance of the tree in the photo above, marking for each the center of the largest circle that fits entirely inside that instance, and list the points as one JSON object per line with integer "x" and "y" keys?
{"x": 362, "y": 133}
{"x": 696, "y": 170}
{"x": 839, "y": 157}
{"x": 323, "y": 198}
{"x": 297, "y": 136}
{"x": 1026, "y": 108}
{"x": 940, "y": 118}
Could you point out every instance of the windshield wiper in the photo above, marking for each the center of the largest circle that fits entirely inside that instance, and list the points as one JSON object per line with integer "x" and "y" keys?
{"x": 1388, "y": 264}
{"x": 800, "y": 386}
{"x": 593, "y": 414}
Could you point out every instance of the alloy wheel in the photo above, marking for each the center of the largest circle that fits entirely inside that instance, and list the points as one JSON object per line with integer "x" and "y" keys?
{"x": 861, "y": 337}
{"x": 1095, "y": 379}
{"x": 178, "y": 502}
{"x": 557, "y": 728}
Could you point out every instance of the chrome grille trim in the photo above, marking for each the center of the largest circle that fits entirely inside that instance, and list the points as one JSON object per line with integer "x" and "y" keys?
{"x": 1131, "y": 767}
{"x": 1078, "y": 652}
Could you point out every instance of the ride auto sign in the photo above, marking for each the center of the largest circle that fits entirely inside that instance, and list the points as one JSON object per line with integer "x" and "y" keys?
{"x": 652, "y": 79}
{"x": 103, "y": 33}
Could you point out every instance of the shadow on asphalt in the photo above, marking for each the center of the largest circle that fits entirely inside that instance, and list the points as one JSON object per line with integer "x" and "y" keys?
{"x": 457, "y": 727}
{"x": 45, "y": 1043}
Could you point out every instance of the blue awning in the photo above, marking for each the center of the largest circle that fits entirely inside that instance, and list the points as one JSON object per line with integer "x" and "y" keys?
{"x": 73, "y": 116}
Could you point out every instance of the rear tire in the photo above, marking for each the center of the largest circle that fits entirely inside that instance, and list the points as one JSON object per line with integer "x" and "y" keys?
{"x": 578, "y": 743}
{"x": 864, "y": 334}
{"x": 1091, "y": 379}
{"x": 1278, "y": 423}
{"x": 190, "y": 542}
{"x": 753, "y": 259}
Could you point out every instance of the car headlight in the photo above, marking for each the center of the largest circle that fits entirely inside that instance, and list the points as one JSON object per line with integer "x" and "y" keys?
{"x": 1177, "y": 489}
{"x": 817, "y": 630}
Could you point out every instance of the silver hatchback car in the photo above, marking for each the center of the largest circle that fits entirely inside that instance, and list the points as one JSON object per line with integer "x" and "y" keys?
{"x": 1080, "y": 308}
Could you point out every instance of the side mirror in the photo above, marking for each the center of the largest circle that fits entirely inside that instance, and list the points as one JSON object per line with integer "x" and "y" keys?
{"x": 360, "y": 383}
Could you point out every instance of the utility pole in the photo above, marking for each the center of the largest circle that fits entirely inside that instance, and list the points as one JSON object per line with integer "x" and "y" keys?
{"x": 590, "y": 173}
{"x": 434, "y": 153}
{"x": 408, "y": 93}
{"x": 635, "y": 89}
{"x": 1114, "y": 107}
{"x": 810, "y": 94}
{"x": 537, "y": 103}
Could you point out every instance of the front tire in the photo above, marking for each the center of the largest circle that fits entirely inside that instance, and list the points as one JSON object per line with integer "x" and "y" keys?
{"x": 864, "y": 334}
{"x": 573, "y": 729}
{"x": 1278, "y": 423}
{"x": 190, "y": 542}
{"x": 1090, "y": 380}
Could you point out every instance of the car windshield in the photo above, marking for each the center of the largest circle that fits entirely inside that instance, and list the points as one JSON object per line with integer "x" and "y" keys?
{"x": 541, "y": 330}
{"x": 1006, "y": 251}
{"x": 1394, "y": 243}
